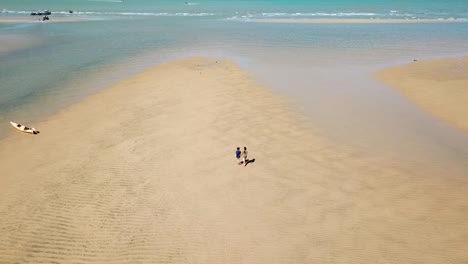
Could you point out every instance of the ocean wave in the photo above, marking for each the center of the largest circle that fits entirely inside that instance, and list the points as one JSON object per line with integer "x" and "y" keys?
{"x": 253, "y": 19}
{"x": 143, "y": 14}
{"x": 318, "y": 15}
{"x": 97, "y": 13}
{"x": 313, "y": 14}
{"x": 392, "y": 14}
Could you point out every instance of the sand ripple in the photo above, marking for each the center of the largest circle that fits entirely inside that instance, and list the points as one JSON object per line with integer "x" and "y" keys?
{"x": 145, "y": 172}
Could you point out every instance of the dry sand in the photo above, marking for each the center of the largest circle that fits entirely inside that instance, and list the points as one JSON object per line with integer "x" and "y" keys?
{"x": 353, "y": 21}
{"x": 439, "y": 86}
{"x": 145, "y": 172}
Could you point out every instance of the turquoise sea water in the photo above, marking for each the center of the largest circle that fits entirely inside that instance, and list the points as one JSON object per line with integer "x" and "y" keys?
{"x": 324, "y": 67}
{"x": 455, "y": 9}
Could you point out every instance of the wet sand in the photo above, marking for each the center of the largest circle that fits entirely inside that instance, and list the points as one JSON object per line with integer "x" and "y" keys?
{"x": 145, "y": 172}
{"x": 438, "y": 86}
{"x": 38, "y": 19}
{"x": 11, "y": 43}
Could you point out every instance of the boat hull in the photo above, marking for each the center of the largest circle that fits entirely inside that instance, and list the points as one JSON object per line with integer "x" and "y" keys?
{"x": 25, "y": 129}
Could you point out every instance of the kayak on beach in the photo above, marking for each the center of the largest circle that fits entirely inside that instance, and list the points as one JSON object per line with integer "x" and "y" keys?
{"x": 22, "y": 128}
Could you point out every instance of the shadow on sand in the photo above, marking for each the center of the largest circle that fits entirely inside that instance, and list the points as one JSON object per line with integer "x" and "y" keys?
{"x": 249, "y": 161}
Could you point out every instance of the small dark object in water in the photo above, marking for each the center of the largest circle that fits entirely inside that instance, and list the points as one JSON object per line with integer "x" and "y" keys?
{"x": 70, "y": 11}
{"x": 45, "y": 18}
{"x": 415, "y": 60}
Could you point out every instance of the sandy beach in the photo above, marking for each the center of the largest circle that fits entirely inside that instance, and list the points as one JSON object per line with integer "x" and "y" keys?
{"x": 145, "y": 172}
{"x": 438, "y": 86}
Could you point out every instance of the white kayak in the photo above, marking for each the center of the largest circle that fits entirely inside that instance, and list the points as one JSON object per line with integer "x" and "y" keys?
{"x": 30, "y": 130}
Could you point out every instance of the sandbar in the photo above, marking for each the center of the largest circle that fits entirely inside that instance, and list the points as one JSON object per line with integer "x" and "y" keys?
{"x": 438, "y": 86}
{"x": 145, "y": 172}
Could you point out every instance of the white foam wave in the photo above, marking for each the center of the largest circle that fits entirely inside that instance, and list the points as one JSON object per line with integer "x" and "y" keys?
{"x": 150, "y": 14}
{"x": 254, "y": 19}
{"x": 316, "y": 14}
{"x": 392, "y": 14}
{"x": 96, "y": 13}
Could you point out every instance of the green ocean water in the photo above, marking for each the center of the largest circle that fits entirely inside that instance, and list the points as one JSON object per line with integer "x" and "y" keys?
{"x": 319, "y": 65}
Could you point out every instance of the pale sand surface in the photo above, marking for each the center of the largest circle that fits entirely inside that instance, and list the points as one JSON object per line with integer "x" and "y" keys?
{"x": 439, "y": 86}
{"x": 353, "y": 21}
{"x": 144, "y": 172}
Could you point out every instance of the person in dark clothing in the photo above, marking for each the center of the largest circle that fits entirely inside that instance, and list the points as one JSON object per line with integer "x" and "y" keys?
{"x": 238, "y": 156}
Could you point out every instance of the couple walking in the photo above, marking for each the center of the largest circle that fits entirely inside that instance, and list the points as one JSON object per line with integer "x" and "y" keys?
{"x": 242, "y": 154}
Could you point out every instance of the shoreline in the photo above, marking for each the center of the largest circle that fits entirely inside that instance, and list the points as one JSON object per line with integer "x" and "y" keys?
{"x": 437, "y": 86}
{"x": 147, "y": 167}
{"x": 37, "y": 19}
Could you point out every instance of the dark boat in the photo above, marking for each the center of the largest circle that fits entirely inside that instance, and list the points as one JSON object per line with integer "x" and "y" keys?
{"x": 41, "y": 13}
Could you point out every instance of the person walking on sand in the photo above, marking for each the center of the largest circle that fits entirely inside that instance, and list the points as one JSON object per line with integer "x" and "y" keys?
{"x": 238, "y": 156}
{"x": 244, "y": 156}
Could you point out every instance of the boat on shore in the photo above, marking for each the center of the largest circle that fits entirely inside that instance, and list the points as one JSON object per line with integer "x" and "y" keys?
{"x": 41, "y": 13}
{"x": 22, "y": 128}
